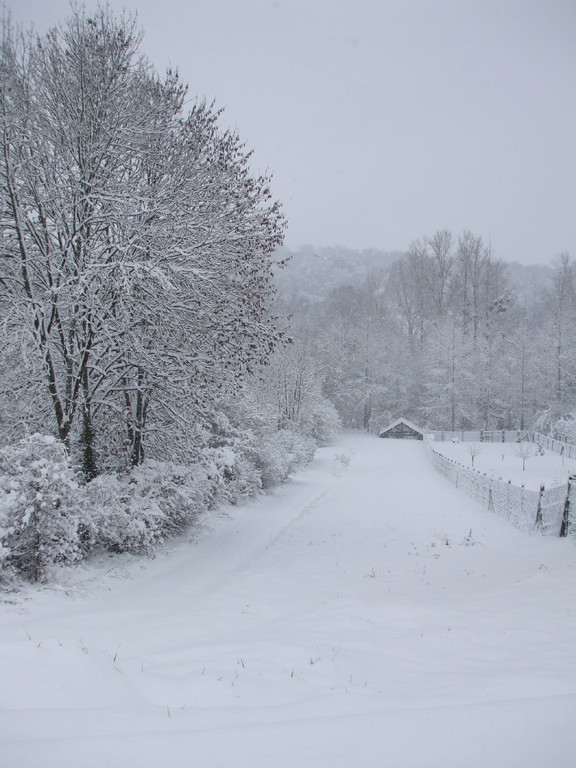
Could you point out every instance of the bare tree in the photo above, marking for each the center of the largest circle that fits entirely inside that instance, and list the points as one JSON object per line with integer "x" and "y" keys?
{"x": 473, "y": 449}
{"x": 524, "y": 451}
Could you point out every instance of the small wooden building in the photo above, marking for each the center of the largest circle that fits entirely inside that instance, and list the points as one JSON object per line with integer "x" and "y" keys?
{"x": 402, "y": 429}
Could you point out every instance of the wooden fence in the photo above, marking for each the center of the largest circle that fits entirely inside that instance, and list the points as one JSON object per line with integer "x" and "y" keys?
{"x": 558, "y": 446}
{"x": 506, "y": 436}
{"x": 481, "y": 436}
{"x": 550, "y": 510}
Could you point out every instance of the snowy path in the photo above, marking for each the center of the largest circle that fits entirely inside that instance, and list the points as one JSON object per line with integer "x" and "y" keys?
{"x": 351, "y": 619}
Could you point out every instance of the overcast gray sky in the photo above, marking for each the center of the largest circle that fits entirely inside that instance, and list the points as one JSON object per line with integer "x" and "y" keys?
{"x": 385, "y": 121}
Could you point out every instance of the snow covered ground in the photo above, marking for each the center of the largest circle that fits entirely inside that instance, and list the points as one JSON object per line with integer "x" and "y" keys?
{"x": 505, "y": 461}
{"x": 366, "y": 614}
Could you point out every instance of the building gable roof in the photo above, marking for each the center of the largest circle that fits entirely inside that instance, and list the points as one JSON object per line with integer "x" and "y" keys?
{"x": 397, "y": 423}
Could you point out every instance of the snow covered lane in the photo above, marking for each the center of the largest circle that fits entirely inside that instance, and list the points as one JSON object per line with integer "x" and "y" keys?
{"x": 367, "y": 613}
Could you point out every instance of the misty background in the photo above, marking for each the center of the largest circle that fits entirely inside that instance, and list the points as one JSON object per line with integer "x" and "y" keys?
{"x": 382, "y": 122}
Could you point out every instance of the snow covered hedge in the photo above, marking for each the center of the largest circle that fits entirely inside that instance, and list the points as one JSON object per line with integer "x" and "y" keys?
{"x": 41, "y": 508}
{"x": 49, "y": 516}
{"x": 136, "y": 512}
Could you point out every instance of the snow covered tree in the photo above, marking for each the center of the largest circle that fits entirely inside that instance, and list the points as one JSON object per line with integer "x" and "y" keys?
{"x": 405, "y": 292}
{"x": 435, "y": 260}
{"x": 136, "y": 270}
{"x": 354, "y": 337}
{"x": 449, "y": 395}
{"x": 560, "y": 330}
{"x": 293, "y": 384}
{"x": 478, "y": 280}
{"x": 66, "y": 117}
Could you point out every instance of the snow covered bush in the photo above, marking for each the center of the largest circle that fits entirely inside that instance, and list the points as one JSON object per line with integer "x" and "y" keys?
{"x": 560, "y": 427}
{"x": 270, "y": 460}
{"x": 281, "y": 453}
{"x": 122, "y": 523}
{"x": 228, "y": 441}
{"x": 136, "y": 512}
{"x": 47, "y": 517}
{"x": 565, "y": 428}
{"x": 232, "y": 473}
{"x": 322, "y": 421}
{"x": 257, "y": 447}
{"x": 300, "y": 449}
{"x": 40, "y": 503}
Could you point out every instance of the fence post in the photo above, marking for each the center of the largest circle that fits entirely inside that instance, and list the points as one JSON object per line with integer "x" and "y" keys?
{"x": 565, "y": 527}
{"x": 539, "y": 509}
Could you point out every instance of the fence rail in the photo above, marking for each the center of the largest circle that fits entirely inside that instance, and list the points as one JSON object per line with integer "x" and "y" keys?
{"x": 558, "y": 446}
{"x": 481, "y": 435}
{"x": 548, "y": 509}
{"x": 506, "y": 436}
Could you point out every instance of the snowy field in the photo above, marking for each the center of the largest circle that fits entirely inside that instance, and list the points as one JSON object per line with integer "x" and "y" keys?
{"x": 519, "y": 463}
{"x": 366, "y": 614}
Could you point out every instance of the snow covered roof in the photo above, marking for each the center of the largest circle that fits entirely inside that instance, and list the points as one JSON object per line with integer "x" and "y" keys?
{"x": 400, "y": 426}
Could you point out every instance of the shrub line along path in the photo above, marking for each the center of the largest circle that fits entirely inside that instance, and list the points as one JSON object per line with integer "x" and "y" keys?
{"x": 366, "y": 614}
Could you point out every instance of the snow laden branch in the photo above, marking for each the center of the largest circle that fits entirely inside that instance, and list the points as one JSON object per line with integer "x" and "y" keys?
{"x": 137, "y": 247}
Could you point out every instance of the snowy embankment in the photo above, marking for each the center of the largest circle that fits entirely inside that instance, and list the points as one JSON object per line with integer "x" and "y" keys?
{"x": 365, "y": 614}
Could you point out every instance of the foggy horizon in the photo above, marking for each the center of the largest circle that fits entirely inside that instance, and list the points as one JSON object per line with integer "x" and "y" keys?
{"x": 382, "y": 123}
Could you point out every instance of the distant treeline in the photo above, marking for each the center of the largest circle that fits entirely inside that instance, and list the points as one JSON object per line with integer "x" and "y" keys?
{"x": 445, "y": 334}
